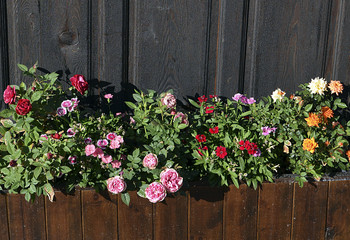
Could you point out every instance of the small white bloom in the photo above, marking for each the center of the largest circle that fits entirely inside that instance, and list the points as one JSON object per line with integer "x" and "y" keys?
{"x": 318, "y": 86}
{"x": 278, "y": 94}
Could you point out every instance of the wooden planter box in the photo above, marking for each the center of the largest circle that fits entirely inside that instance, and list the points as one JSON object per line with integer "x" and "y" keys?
{"x": 281, "y": 210}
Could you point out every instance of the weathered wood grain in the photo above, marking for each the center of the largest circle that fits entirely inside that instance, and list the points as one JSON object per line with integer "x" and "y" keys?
{"x": 168, "y": 45}
{"x": 206, "y": 213}
{"x": 286, "y": 44}
{"x": 4, "y": 230}
{"x": 26, "y": 219}
{"x": 275, "y": 211}
{"x": 240, "y": 213}
{"x": 100, "y": 216}
{"x": 4, "y": 71}
{"x": 338, "y": 210}
{"x": 63, "y": 216}
{"x": 135, "y": 221}
{"x": 310, "y": 211}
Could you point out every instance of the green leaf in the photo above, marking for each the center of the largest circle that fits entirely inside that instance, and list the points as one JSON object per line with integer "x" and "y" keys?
{"x": 125, "y": 198}
{"x": 27, "y": 196}
{"x": 36, "y": 96}
{"x": 49, "y": 191}
{"x": 16, "y": 154}
{"x": 141, "y": 192}
{"x": 341, "y": 105}
{"x": 182, "y": 126}
{"x": 37, "y": 171}
{"x": 7, "y": 123}
{"x": 137, "y": 97}
{"x": 65, "y": 169}
{"x": 194, "y": 103}
{"x": 247, "y": 113}
{"x": 136, "y": 153}
{"x": 22, "y": 67}
{"x": 130, "y": 105}
{"x": 308, "y": 107}
{"x": 6, "y": 113}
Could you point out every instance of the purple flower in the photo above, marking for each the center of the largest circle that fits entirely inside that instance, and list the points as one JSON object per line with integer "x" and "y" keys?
{"x": 88, "y": 141}
{"x": 71, "y": 132}
{"x": 66, "y": 104}
{"x": 251, "y": 100}
{"x": 102, "y": 143}
{"x": 61, "y": 111}
{"x": 244, "y": 99}
{"x": 265, "y": 131}
{"x": 257, "y": 153}
{"x": 237, "y": 96}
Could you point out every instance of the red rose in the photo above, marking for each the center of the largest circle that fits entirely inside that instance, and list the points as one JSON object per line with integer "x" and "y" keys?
{"x": 221, "y": 152}
{"x": 23, "y": 107}
{"x": 209, "y": 109}
{"x": 201, "y": 138}
{"x": 79, "y": 82}
{"x": 214, "y": 130}
{"x": 10, "y": 95}
{"x": 56, "y": 136}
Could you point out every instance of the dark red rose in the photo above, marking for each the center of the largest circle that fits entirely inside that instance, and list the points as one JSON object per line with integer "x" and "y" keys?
{"x": 56, "y": 136}
{"x": 221, "y": 152}
{"x": 201, "y": 138}
{"x": 13, "y": 163}
{"x": 10, "y": 95}
{"x": 49, "y": 155}
{"x": 79, "y": 82}
{"x": 214, "y": 130}
{"x": 23, "y": 107}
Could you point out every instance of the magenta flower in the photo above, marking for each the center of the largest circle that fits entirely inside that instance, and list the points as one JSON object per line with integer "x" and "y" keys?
{"x": 72, "y": 159}
{"x": 267, "y": 130}
{"x": 107, "y": 158}
{"x": 237, "y": 97}
{"x": 150, "y": 161}
{"x": 61, "y": 111}
{"x": 116, "y": 185}
{"x": 88, "y": 141}
{"x": 257, "y": 153}
{"x": 116, "y": 164}
{"x": 43, "y": 136}
{"x": 111, "y": 136}
{"x": 98, "y": 153}
{"x": 116, "y": 142}
{"x": 102, "y": 143}
{"x": 251, "y": 100}
{"x": 71, "y": 132}
{"x": 75, "y": 102}
{"x": 90, "y": 149}
{"x": 132, "y": 120}
{"x": 155, "y": 192}
{"x": 108, "y": 96}
{"x": 171, "y": 180}
{"x": 183, "y": 118}
{"x": 66, "y": 104}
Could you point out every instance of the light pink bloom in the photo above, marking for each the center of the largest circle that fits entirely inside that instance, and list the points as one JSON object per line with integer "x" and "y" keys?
{"x": 70, "y": 132}
{"x": 155, "y": 192}
{"x": 183, "y": 117}
{"x": 98, "y": 153}
{"x": 237, "y": 97}
{"x": 132, "y": 120}
{"x": 251, "y": 100}
{"x": 169, "y": 100}
{"x": 119, "y": 139}
{"x": 114, "y": 144}
{"x": 108, "y": 96}
{"x": 111, "y": 136}
{"x": 118, "y": 113}
{"x": 61, "y": 111}
{"x": 67, "y": 103}
{"x": 116, "y": 185}
{"x": 72, "y": 159}
{"x": 116, "y": 164}
{"x": 150, "y": 161}
{"x": 107, "y": 158}
{"x": 90, "y": 149}
{"x": 171, "y": 180}
{"x": 75, "y": 102}
{"x": 102, "y": 143}
{"x": 88, "y": 141}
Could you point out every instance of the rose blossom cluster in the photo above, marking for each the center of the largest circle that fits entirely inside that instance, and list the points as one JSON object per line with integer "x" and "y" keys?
{"x": 251, "y": 148}
{"x": 183, "y": 118}
{"x": 116, "y": 185}
{"x": 243, "y": 99}
{"x": 170, "y": 181}
{"x": 169, "y": 100}
{"x": 78, "y": 81}
{"x": 67, "y": 106}
{"x": 23, "y": 105}
{"x": 150, "y": 161}
{"x": 267, "y": 130}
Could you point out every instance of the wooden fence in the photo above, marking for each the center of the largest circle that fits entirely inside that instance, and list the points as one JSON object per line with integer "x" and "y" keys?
{"x": 281, "y": 210}
{"x": 192, "y": 46}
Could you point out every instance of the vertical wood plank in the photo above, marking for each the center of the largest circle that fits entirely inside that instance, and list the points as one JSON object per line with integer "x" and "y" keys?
{"x": 168, "y": 45}
{"x": 240, "y": 216}
{"x": 4, "y": 230}
{"x": 310, "y": 209}
{"x": 63, "y": 216}
{"x": 26, "y": 219}
{"x": 170, "y": 218}
{"x": 338, "y": 211}
{"x": 4, "y": 74}
{"x": 100, "y": 218}
{"x": 206, "y": 213}
{"x": 286, "y": 44}
{"x": 135, "y": 221}
{"x": 275, "y": 211}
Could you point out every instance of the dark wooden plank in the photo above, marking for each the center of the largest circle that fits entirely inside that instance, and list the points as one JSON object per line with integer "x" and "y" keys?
{"x": 135, "y": 221}
{"x": 275, "y": 211}
{"x": 23, "y": 36}
{"x": 4, "y": 74}
{"x": 240, "y": 216}
{"x": 100, "y": 219}
{"x": 310, "y": 209}
{"x": 170, "y": 218}
{"x": 63, "y": 216}
{"x": 286, "y": 44}
{"x": 337, "y": 61}
{"x": 206, "y": 213}
{"x": 4, "y": 230}
{"x": 26, "y": 219}
{"x": 338, "y": 210}
{"x": 168, "y": 45}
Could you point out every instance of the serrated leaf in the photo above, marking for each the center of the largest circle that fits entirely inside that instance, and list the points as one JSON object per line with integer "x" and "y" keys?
{"x": 125, "y": 198}
{"x": 49, "y": 191}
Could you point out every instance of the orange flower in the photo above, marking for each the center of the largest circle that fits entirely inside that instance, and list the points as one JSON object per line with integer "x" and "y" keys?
{"x": 326, "y": 113}
{"x": 348, "y": 154}
{"x": 309, "y": 145}
{"x": 336, "y": 87}
{"x": 313, "y": 120}
{"x": 327, "y": 143}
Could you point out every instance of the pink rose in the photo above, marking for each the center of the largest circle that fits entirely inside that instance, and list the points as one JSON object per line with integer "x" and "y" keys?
{"x": 116, "y": 185}
{"x": 116, "y": 142}
{"x": 169, "y": 100}
{"x": 150, "y": 161}
{"x": 107, "y": 158}
{"x": 10, "y": 95}
{"x": 116, "y": 164}
{"x": 90, "y": 149}
{"x": 155, "y": 192}
{"x": 79, "y": 82}
{"x": 183, "y": 118}
{"x": 98, "y": 153}
{"x": 171, "y": 180}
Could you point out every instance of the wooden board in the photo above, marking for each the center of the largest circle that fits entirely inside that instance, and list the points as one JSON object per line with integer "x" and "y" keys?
{"x": 100, "y": 216}
{"x": 170, "y": 218}
{"x": 4, "y": 74}
{"x": 240, "y": 213}
{"x": 4, "y": 230}
{"x": 286, "y": 44}
{"x": 310, "y": 209}
{"x": 275, "y": 211}
{"x": 206, "y": 213}
{"x": 135, "y": 221}
{"x": 63, "y": 216}
{"x": 26, "y": 219}
{"x": 338, "y": 210}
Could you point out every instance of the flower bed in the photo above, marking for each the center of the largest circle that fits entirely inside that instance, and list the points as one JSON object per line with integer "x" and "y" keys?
{"x": 50, "y": 138}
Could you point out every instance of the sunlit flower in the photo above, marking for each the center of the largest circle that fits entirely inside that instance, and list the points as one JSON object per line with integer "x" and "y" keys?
{"x": 327, "y": 113}
{"x": 335, "y": 87}
{"x": 313, "y": 120}
{"x": 318, "y": 86}
{"x": 278, "y": 94}
{"x": 309, "y": 145}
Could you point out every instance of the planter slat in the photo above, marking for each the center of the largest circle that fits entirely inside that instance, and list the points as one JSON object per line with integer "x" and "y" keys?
{"x": 338, "y": 215}
{"x": 3, "y": 217}
{"x": 64, "y": 217}
{"x": 170, "y": 218}
{"x": 27, "y": 219}
{"x": 100, "y": 216}
{"x": 240, "y": 213}
{"x": 206, "y": 213}
{"x": 310, "y": 210}
{"x": 275, "y": 211}
{"x": 135, "y": 221}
